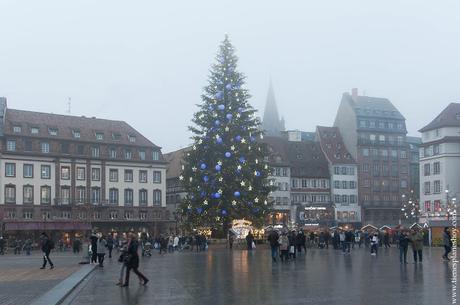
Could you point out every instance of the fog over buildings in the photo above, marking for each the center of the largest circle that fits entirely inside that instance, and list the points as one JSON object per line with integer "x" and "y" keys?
{"x": 146, "y": 62}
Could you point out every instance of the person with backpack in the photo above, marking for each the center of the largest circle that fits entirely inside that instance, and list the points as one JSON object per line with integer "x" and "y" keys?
{"x": 47, "y": 246}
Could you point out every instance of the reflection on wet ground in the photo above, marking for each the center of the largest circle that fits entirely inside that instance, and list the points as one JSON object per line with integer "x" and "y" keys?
{"x": 323, "y": 277}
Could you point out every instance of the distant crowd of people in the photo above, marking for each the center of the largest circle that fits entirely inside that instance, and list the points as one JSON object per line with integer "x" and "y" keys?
{"x": 289, "y": 244}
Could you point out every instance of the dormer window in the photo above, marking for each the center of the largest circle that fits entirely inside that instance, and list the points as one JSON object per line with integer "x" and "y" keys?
{"x": 457, "y": 116}
{"x": 16, "y": 129}
{"x": 52, "y": 131}
{"x": 337, "y": 156}
{"x": 116, "y": 136}
{"x": 156, "y": 155}
{"x": 132, "y": 138}
{"x": 99, "y": 136}
{"x": 34, "y": 130}
{"x": 76, "y": 133}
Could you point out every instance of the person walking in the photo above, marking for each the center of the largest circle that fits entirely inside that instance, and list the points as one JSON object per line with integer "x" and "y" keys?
{"x": 284, "y": 246}
{"x": 349, "y": 236}
{"x": 342, "y": 241}
{"x": 273, "y": 238}
{"x": 403, "y": 245}
{"x": 231, "y": 239}
{"x": 176, "y": 243}
{"x": 386, "y": 239}
{"x": 416, "y": 240}
{"x": 28, "y": 246}
{"x": 447, "y": 242}
{"x": 249, "y": 240}
{"x": 93, "y": 239}
{"x": 101, "y": 246}
{"x": 110, "y": 244}
{"x": 47, "y": 246}
{"x": 2, "y": 245}
{"x": 374, "y": 243}
{"x": 132, "y": 262}
{"x": 300, "y": 242}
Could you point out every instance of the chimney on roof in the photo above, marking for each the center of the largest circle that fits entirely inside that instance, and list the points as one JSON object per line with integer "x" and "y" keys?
{"x": 354, "y": 93}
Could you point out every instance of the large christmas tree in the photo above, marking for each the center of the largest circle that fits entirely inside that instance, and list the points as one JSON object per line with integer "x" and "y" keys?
{"x": 225, "y": 172}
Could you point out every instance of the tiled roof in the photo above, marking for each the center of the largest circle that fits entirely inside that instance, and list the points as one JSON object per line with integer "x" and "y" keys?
{"x": 113, "y": 132}
{"x": 449, "y": 117}
{"x": 333, "y": 146}
{"x": 373, "y": 106}
{"x": 175, "y": 161}
{"x": 278, "y": 149}
{"x": 307, "y": 160}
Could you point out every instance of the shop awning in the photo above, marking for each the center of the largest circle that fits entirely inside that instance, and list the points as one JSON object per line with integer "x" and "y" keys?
{"x": 46, "y": 226}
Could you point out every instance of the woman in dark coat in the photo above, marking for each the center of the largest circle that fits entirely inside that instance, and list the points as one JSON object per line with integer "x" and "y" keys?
{"x": 133, "y": 261}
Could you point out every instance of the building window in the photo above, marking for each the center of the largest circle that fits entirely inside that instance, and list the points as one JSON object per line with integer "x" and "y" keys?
{"x": 65, "y": 173}
{"x": 95, "y": 174}
{"x": 426, "y": 169}
{"x": 362, "y": 123}
{"x": 27, "y": 214}
{"x": 344, "y": 185}
{"x": 428, "y": 206}
{"x": 27, "y": 145}
{"x": 143, "y": 176}
{"x": 45, "y": 147}
{"x": 45, "y": 194}
{"x": 99, "y": 136}
{"x": 336, "y": 170}
{"x": 427, "y": 188}
{"x": 116, "y": 136}
{"x": 128, "y": 215}
{"x": 10, "y": 169}
{"x": 157, "y": 197}
{"x": 403, "y": 183}
{"x": 156, "y": 177}
{"x": 95, "y": 195}
{"x": 337, "y": 184}
{"x": 28, "y": 170}
{"x": 76, "y": 133}
{"x": 10, "y": 193}
{"x": 65, "y": 148}
{"x": 365, "y": 152}
{"x": 437, "y": 187}
{"x": 53, "y": 131}
{"x": 113, "y": 175}
{"x": 80, "y": 149}
{"x": 285, "y": 172}
{"x": 143, "y": 215}
{"x": 11, "y": 145}
{"x": 96, "y": 215}
{"x": 132, "y": 138}
{"x": 17, "y": 129}
{"x": 403, "y": 154}
{"x": 113, "y": 196}
{"x": 128, "y": 175}
{"x": 34, "y": 130}
{"x": 28, "y": 194}
{"x": 113, "y": 215}
{"x": 128, "y": 197}
{"x": 436, "y": 168}
{"x": 81, "y": 173}
{"x": 95, "y": 152}
{"x": 128, "y": 154}
{"x": 45, "y": 171}
{"x": 143, "y": 194}
{"x": 142, "y": 155}
{"x": 156, "y": 155}
{"x": 80, "y": 195}
{"x": 65, "y": 195}
{"x": 112, "y": 153}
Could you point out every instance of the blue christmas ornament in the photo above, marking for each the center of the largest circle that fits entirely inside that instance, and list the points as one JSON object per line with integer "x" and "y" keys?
{"x": 217, "y": 195}
{"x": 257, "y": 173}
{"x": 252, "y": 139}
{"x": 240, "y": 109}
{"x": 219, "y": 140}
{"x": 242, "y": 160}
{"x": 217, "y": 122}
{"x": 221, "y": 107}
{"x": 238, "y": 138}
{"x": 236, "y": 194}
{"x": 228, "y": 87}
{"x": 224, "y": 212}
{"x": 228, "y": 154}
{"x": 219, "y": 95}
{"x": 203, "y": 166}
{"x": 211, "y": 107}
{"x": 218, "y": 167}
{"x": 199, "y": 210}
{"x": 205, "y": 178}
{"x": 229, "y": 116}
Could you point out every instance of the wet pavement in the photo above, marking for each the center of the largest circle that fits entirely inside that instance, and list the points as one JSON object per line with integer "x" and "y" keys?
{"x": 323, "y": 277}
{"x": 22, "y": 281}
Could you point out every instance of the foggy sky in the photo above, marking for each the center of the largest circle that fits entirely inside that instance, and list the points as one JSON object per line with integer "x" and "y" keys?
{"x": 146, "y": 62}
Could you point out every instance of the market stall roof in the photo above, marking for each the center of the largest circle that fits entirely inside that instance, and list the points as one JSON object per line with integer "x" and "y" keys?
{"x": 415, "y": 225}
{"x": 369, "y": 226}
{"x": 384, "y": 227}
